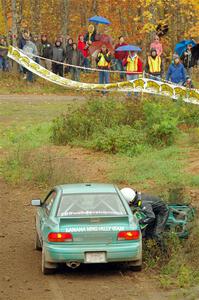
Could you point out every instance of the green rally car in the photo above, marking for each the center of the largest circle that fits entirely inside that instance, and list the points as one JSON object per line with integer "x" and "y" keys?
{"x": 86, "y": 223}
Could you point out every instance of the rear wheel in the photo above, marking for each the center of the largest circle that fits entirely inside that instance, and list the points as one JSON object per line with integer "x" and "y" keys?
{"x": 46, "y": 267}
{"x": 135, "y": 265}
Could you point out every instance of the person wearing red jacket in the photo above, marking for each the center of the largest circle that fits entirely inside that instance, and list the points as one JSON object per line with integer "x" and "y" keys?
{"x": 83, "y": 47}
{"x": 119, "y": 56}
{"x": 134, "y": 67}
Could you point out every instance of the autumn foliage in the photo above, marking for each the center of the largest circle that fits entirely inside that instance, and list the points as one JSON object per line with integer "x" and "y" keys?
{"x": 136, "y": 20}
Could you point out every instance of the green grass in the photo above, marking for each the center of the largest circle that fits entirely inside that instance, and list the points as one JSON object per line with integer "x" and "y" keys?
{"x": 154, "y": 169}
{"x": 29, "y": 157}
{"x": 14, "y": 84}
{"x": 29, "y": 120}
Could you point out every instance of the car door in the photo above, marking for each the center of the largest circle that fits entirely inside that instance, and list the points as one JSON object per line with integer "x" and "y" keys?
{"x": 44, "y": 212}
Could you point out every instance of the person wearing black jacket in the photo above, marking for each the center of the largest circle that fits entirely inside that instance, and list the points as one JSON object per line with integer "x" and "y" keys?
{"x": 58, "y": 54}
{"x": 46, "y": 52}
{"x": 69, "y": 50}
{"x": 155, "y": 210}
{"x": 103, "y": 61}
{"x": 77, "y": 59}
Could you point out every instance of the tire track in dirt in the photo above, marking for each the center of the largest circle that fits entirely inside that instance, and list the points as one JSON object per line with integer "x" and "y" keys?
{"x": 21, "y": 276}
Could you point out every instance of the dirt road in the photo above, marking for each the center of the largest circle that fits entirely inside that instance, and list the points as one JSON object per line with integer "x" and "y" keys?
{"x": 20, "y": 269}
{"x": 21, "y": 276}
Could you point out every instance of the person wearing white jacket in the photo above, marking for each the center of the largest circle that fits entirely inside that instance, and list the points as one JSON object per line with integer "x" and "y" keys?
{"x": 30, "y": 50}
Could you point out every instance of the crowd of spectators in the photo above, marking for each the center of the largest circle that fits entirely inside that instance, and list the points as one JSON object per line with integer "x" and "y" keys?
{"x": 65, "y": 55}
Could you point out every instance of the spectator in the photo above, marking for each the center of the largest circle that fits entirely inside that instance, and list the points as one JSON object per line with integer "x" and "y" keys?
{"x": 58, "y": 54}
{"x": 23, "y": 38}
{"x": 103, "y": 61}
{"x": 46, "y": 52}
{"x": 119, "y": 56}
{"x": 25, "y": 34}
{"x": 154, "y": 65}
{"x": 188, "y": 83}
{"x": 37, "y": 42}
{"x": 83, "y": 47}
{"x": 133, "y": 67}
{"x": 30, "y": 50}
{"x": 90, "y": 35}
{"x": 176, "y": 72}
{"x": 77, "y": 59}
{"x": 3, "y": 55}
{"x": 69, "y": 49}
{"x": 187, "y": 59}
{"x": 156, "y": 44}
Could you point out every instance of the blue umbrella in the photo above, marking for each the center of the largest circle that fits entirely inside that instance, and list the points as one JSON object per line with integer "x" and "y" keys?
{"x": 99, "y": 20}
{"x": 182, "y": 46}
{"x": 128, "y": 48}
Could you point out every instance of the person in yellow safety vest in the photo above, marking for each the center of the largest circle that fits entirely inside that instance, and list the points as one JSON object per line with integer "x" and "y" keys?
{"x": 133, "y": 67}
{"x": 103, "y": 61}
{"x": 154, "y": 66}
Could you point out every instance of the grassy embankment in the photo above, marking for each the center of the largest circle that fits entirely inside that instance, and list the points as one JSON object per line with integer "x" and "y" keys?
{"x": 29, "y": 156}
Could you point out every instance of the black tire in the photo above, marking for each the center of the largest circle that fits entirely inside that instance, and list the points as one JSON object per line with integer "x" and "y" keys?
{"x": 135, "y": 266}
{"x": 45, "y": 270}
{"x": 37, "y": 242}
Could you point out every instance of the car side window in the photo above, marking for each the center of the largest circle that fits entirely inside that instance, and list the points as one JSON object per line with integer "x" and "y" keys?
{"x": 49, "y": 201}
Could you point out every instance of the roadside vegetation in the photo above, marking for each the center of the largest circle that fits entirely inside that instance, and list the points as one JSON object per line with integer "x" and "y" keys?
{"x": 145, "y": 144}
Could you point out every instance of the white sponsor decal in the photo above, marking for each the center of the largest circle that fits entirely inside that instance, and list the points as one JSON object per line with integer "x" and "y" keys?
{"x": 95, "y": 228}
{"x": 75, "y": 213}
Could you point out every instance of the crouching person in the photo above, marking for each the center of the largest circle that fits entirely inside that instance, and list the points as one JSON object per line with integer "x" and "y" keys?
{"x": 155, "y": 210}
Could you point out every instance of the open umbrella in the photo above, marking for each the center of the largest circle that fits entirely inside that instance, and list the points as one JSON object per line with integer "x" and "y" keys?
{"x": 97, "y": 46}
{"x": 128, "y": 48}
{"x": 99, "y": 20}
{"x": 182, "y": 46}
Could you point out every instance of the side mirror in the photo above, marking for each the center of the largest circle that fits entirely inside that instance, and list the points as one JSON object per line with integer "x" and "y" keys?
{"x": 36, "y": 202}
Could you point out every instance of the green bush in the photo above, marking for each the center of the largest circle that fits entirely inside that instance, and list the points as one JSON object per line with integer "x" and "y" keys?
{"x": 160, "y": 124}
{"x": 120, "y": 139}
{"x": 189, "y": 114}
{"x": 122, "y": 126}
{"x": 93, "y": 117}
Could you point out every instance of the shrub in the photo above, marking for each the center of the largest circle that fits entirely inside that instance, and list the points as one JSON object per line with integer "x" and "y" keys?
{"x": 93, "y": 117}
{"x": 160, "y": 124}
{"x": 120, "y": 139}
{"x": 97, "y": 124}
{"x": 189, "y": 114}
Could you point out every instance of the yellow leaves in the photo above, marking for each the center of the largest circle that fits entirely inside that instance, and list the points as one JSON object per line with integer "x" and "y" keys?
{"x": 148, "y": 27}
{"x": 147, "y": 14}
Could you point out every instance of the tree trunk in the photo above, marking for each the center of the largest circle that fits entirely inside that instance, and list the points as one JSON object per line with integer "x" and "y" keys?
{"x": 14, "y": 29}
{"x": 95, "y": 7}
{"x": 65, "y": 21}
{"x": 36, "y": 16}
{"x": 3, "y": 4}
{"x": 14, "y": 23}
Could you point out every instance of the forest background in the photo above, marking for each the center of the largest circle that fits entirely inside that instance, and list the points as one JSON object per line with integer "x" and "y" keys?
{"x": 136, "y": 20}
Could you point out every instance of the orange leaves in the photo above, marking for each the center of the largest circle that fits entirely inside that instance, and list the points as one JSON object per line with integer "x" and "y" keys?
{"x": 135, "y": 19}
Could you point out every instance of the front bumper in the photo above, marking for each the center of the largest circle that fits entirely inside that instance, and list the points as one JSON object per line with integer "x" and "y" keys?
{"x": 121, "y": 252}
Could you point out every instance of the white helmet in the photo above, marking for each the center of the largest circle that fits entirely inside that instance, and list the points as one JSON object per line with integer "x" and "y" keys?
{"x": 129, "y": 194}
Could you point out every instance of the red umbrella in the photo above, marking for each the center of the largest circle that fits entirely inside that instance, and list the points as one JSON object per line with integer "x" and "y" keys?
{"x": 96, "y": 46}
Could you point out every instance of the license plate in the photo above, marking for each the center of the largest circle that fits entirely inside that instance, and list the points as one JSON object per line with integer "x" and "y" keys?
{"x": 95, "y": 257}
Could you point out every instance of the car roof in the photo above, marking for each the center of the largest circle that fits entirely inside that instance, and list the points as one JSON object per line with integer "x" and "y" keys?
{"x": 87, "y": 188}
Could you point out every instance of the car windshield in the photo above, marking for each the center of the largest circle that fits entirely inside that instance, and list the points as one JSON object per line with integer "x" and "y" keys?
{"x": 91, "y": 204}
